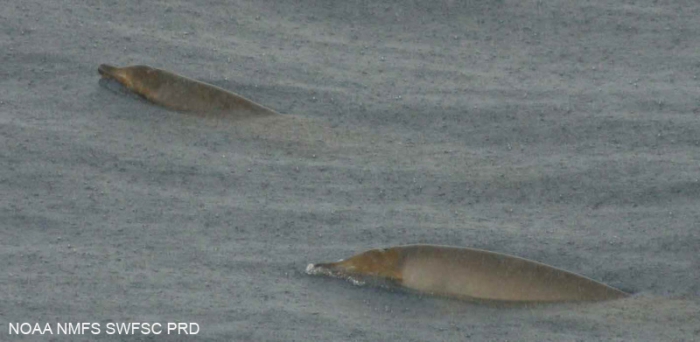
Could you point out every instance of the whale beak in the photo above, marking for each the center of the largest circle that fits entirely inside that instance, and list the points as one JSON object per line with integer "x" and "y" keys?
{"x": 107, "y": 70}
{"x": 117, "y": 74}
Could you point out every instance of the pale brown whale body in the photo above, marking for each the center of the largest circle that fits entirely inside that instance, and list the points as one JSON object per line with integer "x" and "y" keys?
{"x": 469, "y": 274}
{"x": 181, "y": 93}
{"x": 309, "y": 136}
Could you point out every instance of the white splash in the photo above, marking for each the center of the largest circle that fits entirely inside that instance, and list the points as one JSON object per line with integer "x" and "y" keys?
{"x": 311, "y": 269}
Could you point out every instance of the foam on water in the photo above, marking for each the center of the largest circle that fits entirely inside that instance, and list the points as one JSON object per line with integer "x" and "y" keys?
{"x": 311, "y": 269}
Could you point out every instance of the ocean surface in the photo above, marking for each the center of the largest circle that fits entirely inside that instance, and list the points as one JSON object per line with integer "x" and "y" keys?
{"x": 566, "y": 132}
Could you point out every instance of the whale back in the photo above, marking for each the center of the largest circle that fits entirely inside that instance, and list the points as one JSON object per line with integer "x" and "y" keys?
{"x": 485, "y": 275}
{"x": 181, "y": 93}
